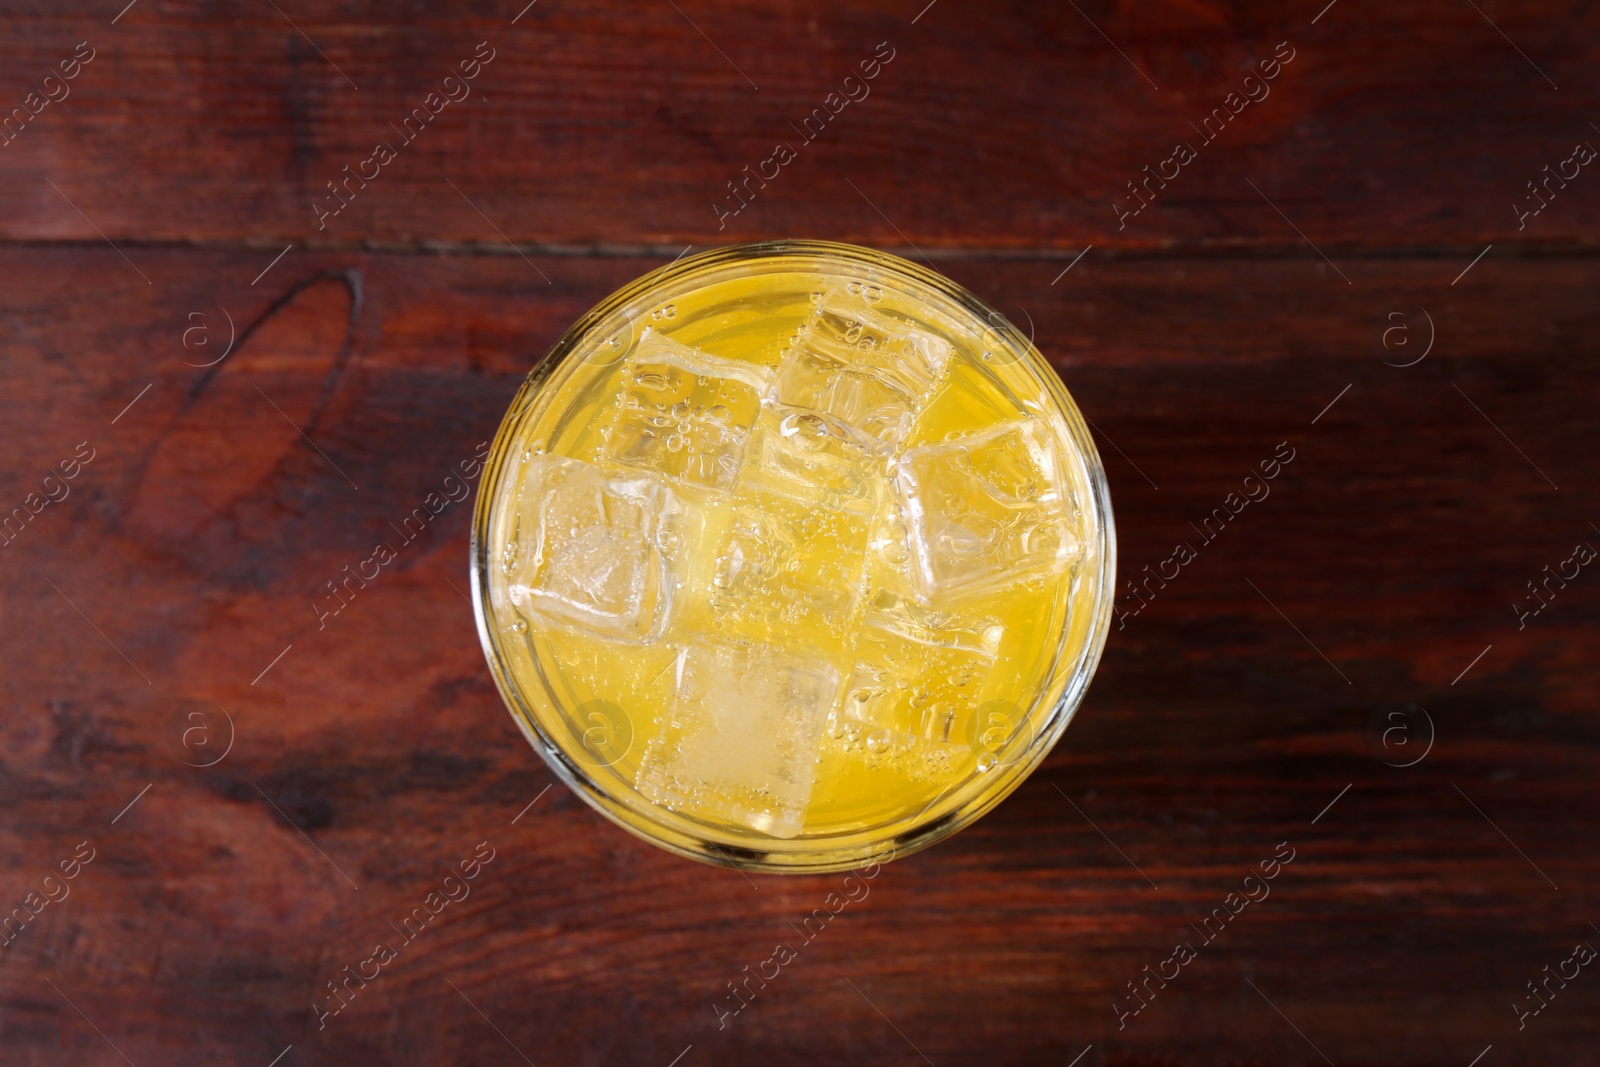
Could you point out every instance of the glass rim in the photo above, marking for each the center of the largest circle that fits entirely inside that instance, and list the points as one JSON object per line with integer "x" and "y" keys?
{"x": 658, "y": 826}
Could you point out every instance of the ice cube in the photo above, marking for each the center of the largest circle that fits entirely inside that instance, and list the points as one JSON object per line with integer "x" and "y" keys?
{"x": 597, "y": 550}
{"x": 918, "y": 671}
{"x": 685, "y": 413}
{"x": 789, "y": 571}
{"x": 985, "y": 510}
{"x": 871, "y": 373}
{"x": 741, "y": 739}
{"x": 812, "y": 458}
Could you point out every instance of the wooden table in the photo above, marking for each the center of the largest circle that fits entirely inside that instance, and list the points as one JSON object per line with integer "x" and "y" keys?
{"x": 1344, "y": 260}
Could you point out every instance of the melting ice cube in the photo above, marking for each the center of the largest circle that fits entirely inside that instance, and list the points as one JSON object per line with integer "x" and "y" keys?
{"x": 811, "y": 458}
{"x": 741, "y": 739}
{"x": 685, "y": 413}
{"x": 919, "y": 671}
{"x": 985, "y": 510}
{"x": 871, "y": 373}
{"x": 594, "y": 549}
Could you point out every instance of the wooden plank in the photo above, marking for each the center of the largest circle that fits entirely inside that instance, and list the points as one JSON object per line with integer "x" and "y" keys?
{"x": 602, "y": 124}
{"x": 371, "y": 753}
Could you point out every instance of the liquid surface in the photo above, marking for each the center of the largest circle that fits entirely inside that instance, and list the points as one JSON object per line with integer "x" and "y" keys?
{"x": 790, "y": 555}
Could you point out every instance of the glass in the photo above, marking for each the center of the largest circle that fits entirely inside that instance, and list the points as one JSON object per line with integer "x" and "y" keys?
{"x": 792, "y": 555}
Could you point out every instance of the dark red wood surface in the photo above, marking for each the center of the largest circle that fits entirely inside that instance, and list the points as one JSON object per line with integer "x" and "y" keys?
{"x": 1267, "y": 694}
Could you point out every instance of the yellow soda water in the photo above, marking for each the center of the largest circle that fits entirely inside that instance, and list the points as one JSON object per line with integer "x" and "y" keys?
{"x": 790, "y": 556}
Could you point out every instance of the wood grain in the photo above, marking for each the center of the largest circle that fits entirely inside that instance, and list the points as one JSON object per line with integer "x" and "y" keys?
{"x": 377, "y": 750}
{"x": 1014, "y": 126}
{"x": 1267, "y": 694}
